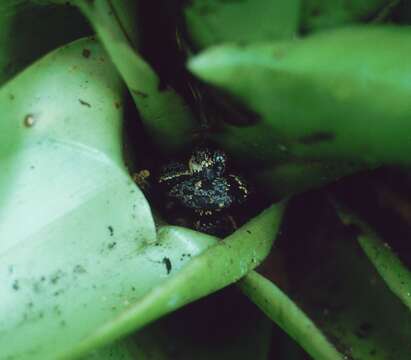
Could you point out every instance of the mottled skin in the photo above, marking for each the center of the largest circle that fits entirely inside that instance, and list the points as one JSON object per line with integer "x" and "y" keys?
{"x": 205, "y": 189}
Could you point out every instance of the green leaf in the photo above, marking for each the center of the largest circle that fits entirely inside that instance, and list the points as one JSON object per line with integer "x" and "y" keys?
{"x": 389, "y": 266}
{"x": 121, "y": 350}
{"x": 211, "y": 22}
{"x": 314, "y": 98}
{"x": 72, "y": 219}
{"x": 165, "y": 115}
{"x": 78, "y": 238}
{"x": 321, "y": 14}
{"x": 219, "y": 266}
{"x": 286, "y": 314}
{"x": 25, "y": 32}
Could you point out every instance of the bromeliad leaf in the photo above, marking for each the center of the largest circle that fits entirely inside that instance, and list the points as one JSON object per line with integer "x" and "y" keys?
{"x": 219, "y": 266}
{"x": 164, "y": 113}
{"x": 122, "y": 350}
{"x": 212, "y": 22}
{"x": 315, "y": 97}
{"x": 321, "y": 14}
{"x": 70, "y": 213}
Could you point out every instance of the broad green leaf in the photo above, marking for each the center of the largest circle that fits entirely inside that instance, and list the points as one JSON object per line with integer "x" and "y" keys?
{"x": 321, "y": 14}
{"x": 219, "y": 266}
{"x": 77, "y": 236}
{"x": 389, "y": 266}
{"x": 167, "y": 118}
{"x": 25, "y": 32}
{"x": 211, "y": 22}
{"x": 314, "y": 98}
{"x": 285, "y": 313}
{"x": 174, "y": 248}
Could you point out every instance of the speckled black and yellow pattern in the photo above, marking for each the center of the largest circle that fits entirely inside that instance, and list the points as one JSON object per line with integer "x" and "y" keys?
{"x": 205, "y": 189}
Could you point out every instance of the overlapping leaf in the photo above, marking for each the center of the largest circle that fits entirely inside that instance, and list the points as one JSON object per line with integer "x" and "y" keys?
{"x": 165, "y": 115}
{"x": 211, "y": 22}
{"x": 219, "y": 266}
{"x": 318, "y": 100}
{"x": 321, "y": 14}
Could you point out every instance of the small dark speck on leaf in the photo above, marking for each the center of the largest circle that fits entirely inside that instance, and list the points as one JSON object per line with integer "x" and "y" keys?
{"x": 112, "y": 245}
{"x": 111, "y": 230}
{"x": 167, "y": 263}
{"x": 316, "y": 11}
{"x": 16, "y": 285}
{"x": 54, "y": 279}
{"x": 317, "y": 137}
{"x": 84, "y": 103}
{"x": 37, "y": 287}
{"x": 139, "y": 93}
{"x": 86, "y": 53}
{"x": 79, "y": 269}
{"x": 58, "y": 292}
{"x": 248, "y": 231}
{"x": 279, "y": 54}
{"x": 11, "y": 97}
{"x": 117, "y": 104}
